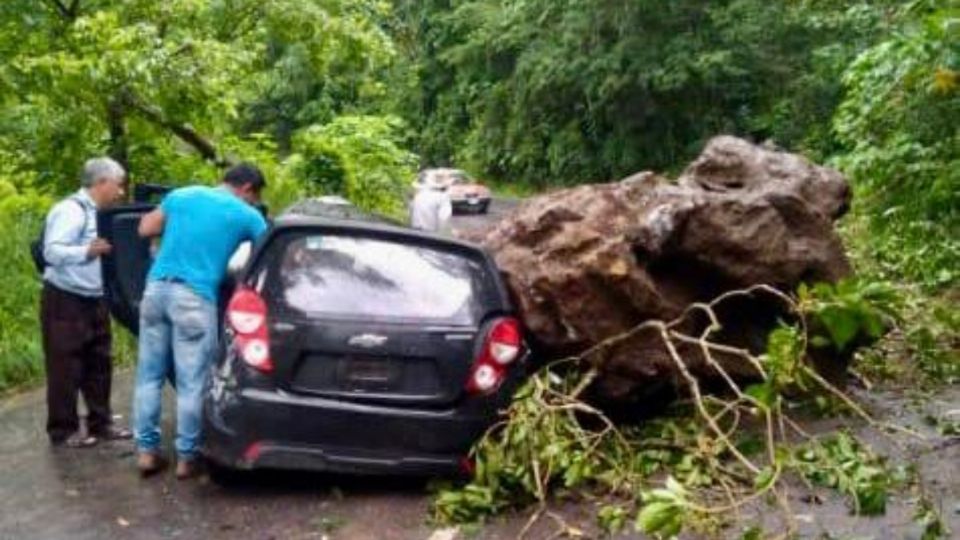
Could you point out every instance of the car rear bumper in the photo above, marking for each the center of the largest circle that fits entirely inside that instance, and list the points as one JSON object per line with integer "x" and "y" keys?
{"x": 470, "y": 204}
{"x": 273, "y": 429}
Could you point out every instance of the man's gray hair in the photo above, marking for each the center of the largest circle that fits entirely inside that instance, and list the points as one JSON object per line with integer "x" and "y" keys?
{"x": 101, "y": 168}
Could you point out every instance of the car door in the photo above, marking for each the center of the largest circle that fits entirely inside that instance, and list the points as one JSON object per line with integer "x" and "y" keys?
{"x": 125, "y": 267}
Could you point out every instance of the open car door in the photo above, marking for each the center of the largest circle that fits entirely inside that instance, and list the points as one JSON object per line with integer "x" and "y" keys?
{"x": 125, "y": 268}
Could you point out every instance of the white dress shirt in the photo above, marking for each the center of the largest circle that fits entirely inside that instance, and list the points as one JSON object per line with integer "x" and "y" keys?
{"x": 431, "y": 210}
{"x": 69, "y": 231}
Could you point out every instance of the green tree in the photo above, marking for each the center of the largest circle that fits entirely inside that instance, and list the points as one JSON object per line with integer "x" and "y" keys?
{"x": 158, "y": 85}
{"x": 562, "y": 92}
{"x": 901, "y": 145}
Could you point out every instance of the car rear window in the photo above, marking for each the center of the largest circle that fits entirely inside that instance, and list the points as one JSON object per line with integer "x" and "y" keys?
{"x": 362, "y": 278}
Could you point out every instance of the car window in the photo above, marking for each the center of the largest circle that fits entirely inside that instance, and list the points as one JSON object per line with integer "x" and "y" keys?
{"x": 356, "y": 277}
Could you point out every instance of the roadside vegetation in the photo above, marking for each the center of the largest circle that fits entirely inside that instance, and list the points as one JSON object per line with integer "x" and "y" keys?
{"x": 175, "y": 89}
{"x": 350, "y": 97}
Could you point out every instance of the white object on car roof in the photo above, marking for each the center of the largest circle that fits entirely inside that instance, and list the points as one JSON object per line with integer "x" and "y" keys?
{"x": 332, "y": 199}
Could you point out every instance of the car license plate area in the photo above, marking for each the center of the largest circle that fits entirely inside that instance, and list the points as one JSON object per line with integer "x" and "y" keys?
{"x": 368, "y": 375}
{"x": 350, "y": 375}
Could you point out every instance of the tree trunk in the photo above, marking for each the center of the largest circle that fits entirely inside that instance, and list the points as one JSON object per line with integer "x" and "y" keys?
{"x": 116, "y": 122}
{"x": 185, "y": 132}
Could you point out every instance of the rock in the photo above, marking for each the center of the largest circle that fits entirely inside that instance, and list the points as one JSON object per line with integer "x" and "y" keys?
{"x": 731, "y": 164}
{"x": 591, "y": 262}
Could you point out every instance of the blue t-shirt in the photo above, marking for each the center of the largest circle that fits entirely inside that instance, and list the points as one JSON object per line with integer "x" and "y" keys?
{"x": 203, "y": 227}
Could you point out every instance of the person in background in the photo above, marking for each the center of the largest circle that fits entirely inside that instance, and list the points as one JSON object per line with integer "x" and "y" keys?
{"x": 430, "y": 209}
{"x": 74, "y": 318}
{"x": 199, "y": 227}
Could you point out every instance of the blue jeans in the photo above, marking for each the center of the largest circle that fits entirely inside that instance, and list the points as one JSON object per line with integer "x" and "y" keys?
{"x": 178, "y": 330}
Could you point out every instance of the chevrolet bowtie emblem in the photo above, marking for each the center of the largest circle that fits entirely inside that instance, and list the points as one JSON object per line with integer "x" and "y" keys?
{"x": 367, "y": 341}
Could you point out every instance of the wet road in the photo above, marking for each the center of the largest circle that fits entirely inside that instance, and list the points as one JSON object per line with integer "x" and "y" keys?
{"x": 472, "y": 224}
{"x": 96, "y": 494}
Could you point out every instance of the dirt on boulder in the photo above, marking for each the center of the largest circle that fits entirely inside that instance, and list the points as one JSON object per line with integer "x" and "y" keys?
{"x": 592, "y": 262}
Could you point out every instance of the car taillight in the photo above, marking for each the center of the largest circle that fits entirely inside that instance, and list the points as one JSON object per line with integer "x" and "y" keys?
{"x": 247, "y": 316}
{"x": 501, "y": 348}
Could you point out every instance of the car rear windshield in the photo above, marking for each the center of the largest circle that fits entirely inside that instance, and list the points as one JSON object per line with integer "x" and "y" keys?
{"x": 365, "y": 278}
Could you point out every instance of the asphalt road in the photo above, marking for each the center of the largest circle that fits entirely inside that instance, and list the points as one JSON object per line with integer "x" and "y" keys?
{"x": 475, "y": 223}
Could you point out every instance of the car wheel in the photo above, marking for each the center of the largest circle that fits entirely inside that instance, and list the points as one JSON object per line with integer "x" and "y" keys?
{"x": 483, "y": 208}
{"x": 224, "y": 476}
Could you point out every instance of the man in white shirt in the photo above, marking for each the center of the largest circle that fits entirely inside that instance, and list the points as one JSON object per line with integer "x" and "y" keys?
{"x": 431, "y": 208}
{"x": 74, "y": 318}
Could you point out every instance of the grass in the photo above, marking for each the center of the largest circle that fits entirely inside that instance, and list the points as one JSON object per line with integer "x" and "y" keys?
{"x": 21, "y": 352}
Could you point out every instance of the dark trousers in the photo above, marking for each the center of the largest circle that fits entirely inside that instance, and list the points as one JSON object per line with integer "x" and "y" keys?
{"x": 77, "y": 353}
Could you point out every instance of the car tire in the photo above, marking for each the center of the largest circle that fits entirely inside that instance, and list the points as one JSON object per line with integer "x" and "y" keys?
{"x": 224, "y": 476}
{"x": 482, "y": 209}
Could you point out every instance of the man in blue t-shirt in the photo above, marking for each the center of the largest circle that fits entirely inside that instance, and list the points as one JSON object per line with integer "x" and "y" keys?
{"x": 199, "y": 228}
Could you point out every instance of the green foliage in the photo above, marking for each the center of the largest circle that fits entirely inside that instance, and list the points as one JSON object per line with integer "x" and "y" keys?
{"x": 20, "y": 351}
{"x": 161, "y": 85}
{"x": 664, "y": 510}
{"x": 898, "y": 127}
{"x": 173, "y": 90}
{"x": 612, "y": 518}
{"x": 359, "y": 157}
{"x": 551, "y": 92}
{"x": 842, "y": 463}
{"x": 537, "y": 446}
{"x": 933, "y": 341}
{"x": 848, "y": 312}
{"x": 926, "y": 515}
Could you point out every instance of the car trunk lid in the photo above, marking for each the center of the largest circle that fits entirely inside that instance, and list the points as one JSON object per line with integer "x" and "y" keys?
{"x": 374, "y": 314}
{"x": 384, "y": 363}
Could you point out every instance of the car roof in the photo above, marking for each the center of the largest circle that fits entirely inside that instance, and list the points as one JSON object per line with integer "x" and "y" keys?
{"x": 333, "y": 208}
{"x": 443, "y": 170}
{"x": 318, "y": 212}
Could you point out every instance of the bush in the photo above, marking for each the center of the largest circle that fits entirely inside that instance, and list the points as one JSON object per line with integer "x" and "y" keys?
{"x": 20, "y": 349}
{"x": 358, "y": 157}
{"x": 898, "y": 122}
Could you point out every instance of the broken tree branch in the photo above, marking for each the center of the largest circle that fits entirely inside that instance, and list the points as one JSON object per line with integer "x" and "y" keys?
{"x": 185, "y": 132}
{"x": 67, "y": 13}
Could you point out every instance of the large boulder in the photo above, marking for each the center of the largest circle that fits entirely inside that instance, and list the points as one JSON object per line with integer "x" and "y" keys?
{"x": 589, "y": 263}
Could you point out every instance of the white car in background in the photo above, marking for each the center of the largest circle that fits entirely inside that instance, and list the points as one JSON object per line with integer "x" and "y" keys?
{"x": 467, "y": 195}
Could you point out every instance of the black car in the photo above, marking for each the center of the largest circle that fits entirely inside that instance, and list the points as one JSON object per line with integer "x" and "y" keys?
{"x": 349, "y": 344}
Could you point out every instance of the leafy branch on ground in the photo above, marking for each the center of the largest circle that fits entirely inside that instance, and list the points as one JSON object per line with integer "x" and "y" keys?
{"x": 701, "y": 465}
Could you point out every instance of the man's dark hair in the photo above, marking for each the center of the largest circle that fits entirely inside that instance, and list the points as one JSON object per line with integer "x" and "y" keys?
{"x": 243, "y": 174}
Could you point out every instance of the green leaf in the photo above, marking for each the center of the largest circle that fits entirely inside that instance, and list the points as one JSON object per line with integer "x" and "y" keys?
{"x": 765, "y": 478}
{"x": 764, "y": 393}
{"x": 660, "y": 518}
{"x": 841, "y": 324}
